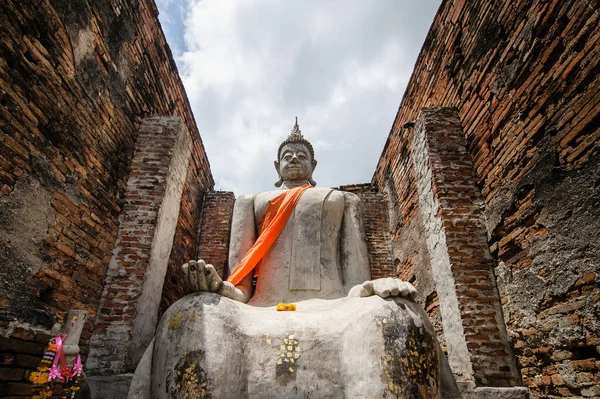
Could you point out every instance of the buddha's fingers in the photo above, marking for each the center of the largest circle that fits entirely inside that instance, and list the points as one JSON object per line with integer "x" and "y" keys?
{"x": 368, "y": 289}
{"x": 361, "y": 290}
{"x": 193, "y": 275}
{"x": 407, "y": 290}
{"x": 214, "y": 282}
{"x": 412, "y": 291}
{"x": 394, "y": 287}
{"x": 186, "y": 276}
{"x": 404, "y": 288}
{"x": 202, "y": 282}
{"x": 385, "y": 287}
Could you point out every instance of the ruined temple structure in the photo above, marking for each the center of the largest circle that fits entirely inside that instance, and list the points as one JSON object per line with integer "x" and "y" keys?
{"x": 486, "y": 196}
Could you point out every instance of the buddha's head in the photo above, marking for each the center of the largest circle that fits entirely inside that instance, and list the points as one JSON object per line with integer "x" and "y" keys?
{"x": 295, "y": 160}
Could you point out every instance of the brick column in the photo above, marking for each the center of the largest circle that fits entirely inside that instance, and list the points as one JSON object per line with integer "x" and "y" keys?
{"x": 452, "y": 209}
{"x": 215, "y": 229}
{"x": 128, "y": 311}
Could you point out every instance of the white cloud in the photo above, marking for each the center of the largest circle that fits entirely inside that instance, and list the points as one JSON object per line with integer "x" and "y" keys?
{"x": 341, "y": 66}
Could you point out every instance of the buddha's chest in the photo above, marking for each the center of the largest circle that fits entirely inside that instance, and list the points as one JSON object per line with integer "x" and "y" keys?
{"x": 304, "y": 256}
{"x": 316, "y": 205}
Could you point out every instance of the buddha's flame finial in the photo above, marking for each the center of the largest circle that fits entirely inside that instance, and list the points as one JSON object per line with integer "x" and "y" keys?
{"x": 295, "y": 134}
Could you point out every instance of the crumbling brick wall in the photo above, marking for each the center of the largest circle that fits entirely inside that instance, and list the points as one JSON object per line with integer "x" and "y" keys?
{"x": 76, "y": 78}
{"x": 375, "y": 212}
{"x": 215, "y": 229}
{"x": 524, "y": 78}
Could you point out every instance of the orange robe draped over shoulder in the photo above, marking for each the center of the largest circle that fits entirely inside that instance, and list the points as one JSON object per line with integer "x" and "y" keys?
{"x": 276, "y": 216}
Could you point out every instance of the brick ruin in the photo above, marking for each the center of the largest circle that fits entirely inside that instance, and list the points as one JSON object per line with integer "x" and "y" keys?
{"x": 522, "y": 79}
{"x": 486, "y": 195}
{"x": 76, "y": 80}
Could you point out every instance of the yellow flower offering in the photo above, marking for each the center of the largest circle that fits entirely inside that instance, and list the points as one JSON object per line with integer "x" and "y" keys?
{"x": 39, "y": 378}
{"x": 286, "y": 307}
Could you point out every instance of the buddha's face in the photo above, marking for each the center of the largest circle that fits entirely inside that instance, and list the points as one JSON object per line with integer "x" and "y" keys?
{"x": 295, "y": 163}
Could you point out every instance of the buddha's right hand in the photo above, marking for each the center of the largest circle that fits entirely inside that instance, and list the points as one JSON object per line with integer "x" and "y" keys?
{"x": 199, "y": 276}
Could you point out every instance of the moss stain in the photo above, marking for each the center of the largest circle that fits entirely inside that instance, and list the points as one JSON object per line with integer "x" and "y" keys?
{"x": 175, "y": 321}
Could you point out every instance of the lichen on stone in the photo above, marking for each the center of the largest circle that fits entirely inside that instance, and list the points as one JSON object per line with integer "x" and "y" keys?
{"x": 410, "y": 362}
{"x": 189, "y": 380}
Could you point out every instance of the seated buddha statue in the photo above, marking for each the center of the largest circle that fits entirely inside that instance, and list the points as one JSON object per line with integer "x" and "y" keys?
{"x": 340, "y": 334}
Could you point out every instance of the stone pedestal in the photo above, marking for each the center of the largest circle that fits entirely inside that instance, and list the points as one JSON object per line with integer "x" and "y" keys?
{"x": 478, "y": 346}
{"x": 128, "y": 311}
{"x": 73, "y": 328}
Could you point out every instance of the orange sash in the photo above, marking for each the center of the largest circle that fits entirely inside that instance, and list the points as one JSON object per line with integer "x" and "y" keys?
{"x": 278, "y": 212}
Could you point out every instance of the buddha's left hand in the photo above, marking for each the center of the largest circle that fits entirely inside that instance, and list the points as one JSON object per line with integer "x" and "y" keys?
{"x": 384, "y": 287}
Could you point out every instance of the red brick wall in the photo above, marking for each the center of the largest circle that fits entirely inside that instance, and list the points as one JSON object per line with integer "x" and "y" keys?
{"x": 76, "y": 78}
{"x": 215, "y": 229}
{"x": 377, "y": 230}
{"x": 524, "y": 78}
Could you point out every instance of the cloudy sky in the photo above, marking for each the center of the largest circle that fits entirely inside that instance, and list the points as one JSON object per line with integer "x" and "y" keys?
{"x": 250, "y": 66}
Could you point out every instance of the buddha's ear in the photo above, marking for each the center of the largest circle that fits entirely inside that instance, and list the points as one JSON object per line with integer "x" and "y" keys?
{"x": 310, "y": 179}
{"x": 279, "y": 182}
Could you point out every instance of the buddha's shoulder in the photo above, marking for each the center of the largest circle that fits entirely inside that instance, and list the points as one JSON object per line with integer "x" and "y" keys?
{"x": 335, "y": 195}
{"x": 256, "y": 198}
{"x": 326, "y": 192}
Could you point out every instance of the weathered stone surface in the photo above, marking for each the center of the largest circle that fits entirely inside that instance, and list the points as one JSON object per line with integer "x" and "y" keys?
{"x": 25, "y": 217}
{"x": 497, "y": 393}
{"x": 350, "y": 347}
{"x": 110, "y": 387}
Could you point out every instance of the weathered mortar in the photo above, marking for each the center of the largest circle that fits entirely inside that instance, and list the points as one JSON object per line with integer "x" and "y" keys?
{"x": 25, "y": 216}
